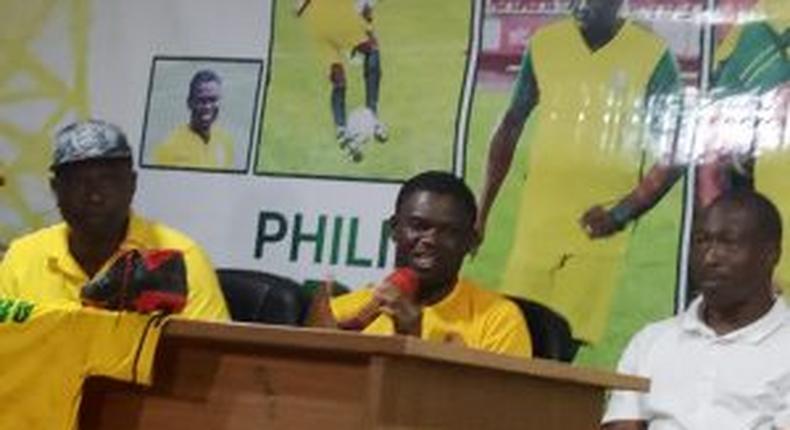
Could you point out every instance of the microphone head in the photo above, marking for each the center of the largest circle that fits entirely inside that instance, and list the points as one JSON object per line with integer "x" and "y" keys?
{"x": 405, "y": 280}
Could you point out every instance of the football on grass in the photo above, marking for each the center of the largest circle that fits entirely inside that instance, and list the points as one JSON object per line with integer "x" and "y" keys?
{"x": 361, "y": 125}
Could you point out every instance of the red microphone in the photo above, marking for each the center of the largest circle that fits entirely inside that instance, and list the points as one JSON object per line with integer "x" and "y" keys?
{"x": 404, "y": 279}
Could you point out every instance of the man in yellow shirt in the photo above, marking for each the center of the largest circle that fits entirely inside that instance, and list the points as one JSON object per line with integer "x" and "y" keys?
{"x": 48, "y": 351}
{"x": 200, "y": 144}
{"x": 433, "y": 231}
{"x": 94, "y": 183}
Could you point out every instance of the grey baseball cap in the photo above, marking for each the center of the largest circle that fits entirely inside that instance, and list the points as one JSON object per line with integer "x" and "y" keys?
{"x": 89, "y": 140}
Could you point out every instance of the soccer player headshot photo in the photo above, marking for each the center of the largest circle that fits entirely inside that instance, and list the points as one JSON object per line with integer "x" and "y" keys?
{"x": 573, "y": 104}
{"x": 363, "y": 89}
{"x": 200, "y": 114}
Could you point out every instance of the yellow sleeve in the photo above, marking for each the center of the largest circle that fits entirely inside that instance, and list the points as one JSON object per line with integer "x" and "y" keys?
{"x": 8, "y": 277}
{"x": 166, "y": 153}
{"x": 174, "y": 150}
{"x": 347, "y": 305}
{"x": 227, "y": 149}
{"x": 205, "y": 300}
{"x": 121, "y": 345}
{"x": 505, "y": 331}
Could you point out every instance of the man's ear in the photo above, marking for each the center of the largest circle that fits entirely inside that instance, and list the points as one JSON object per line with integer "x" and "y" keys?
{"x": 134, "y": 182}
{"x": 772, "y": 254}
{"x": 392, "y": 227}
{"x": 473, "y": 240}
{"x": 53, "y": 185}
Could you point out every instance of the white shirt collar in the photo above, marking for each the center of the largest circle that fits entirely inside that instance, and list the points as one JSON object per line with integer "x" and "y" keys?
{"x": 691, "y": 323}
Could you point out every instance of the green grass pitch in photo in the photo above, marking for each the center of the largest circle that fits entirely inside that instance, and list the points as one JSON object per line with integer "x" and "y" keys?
{"x": 423, "y": 48}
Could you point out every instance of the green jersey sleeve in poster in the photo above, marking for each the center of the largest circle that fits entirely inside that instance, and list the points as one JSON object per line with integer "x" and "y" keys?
{"x": 525, "y": 89}
{"x": 757, "y": 63}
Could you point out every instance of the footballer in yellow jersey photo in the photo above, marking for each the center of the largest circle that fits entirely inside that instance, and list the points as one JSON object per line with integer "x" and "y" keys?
{"x": 574, "y": 101}
{"x": 200, "y": 113}
{"x": 363, "y": 89}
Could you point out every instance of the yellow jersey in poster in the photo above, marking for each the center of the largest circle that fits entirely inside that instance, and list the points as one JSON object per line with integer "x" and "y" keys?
{"x": 185, "y": 148}
{"x": 336, "y": 27}
{"x": 585, "y": 140}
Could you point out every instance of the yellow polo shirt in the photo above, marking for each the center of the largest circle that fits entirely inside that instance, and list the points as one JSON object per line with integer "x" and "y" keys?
{"x": 483, "y": 319}
{"x": 48, "y": 351}
{"x": 185, "y": 148}
{"x": 40, "y": 267}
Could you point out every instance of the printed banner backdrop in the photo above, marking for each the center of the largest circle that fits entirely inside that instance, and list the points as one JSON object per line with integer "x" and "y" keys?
{"x": 421, "y": 85}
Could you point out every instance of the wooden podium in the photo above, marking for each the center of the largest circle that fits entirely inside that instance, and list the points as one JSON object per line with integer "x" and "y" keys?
{"x": 240, "y": 376}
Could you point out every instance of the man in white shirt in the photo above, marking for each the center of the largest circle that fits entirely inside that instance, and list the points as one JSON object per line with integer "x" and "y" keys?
{"x": 725, "y": 362}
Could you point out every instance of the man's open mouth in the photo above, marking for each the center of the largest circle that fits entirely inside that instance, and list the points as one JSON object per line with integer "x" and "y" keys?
{"x": 423, "y": 261}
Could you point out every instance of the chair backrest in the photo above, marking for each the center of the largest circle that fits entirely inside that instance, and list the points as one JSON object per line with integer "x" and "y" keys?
{"x": 254, "y": 296}
{"x": 550, "y": 332}
{"x": 309, "y": 287}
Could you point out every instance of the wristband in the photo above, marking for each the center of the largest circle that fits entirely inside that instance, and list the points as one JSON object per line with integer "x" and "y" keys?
{"x": 621, "y": 214}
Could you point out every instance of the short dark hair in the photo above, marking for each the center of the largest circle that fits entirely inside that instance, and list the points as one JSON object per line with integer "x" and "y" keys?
{"x": 440, "y": 183}
{"x": 205, "y": 75}
{"x": 766, "y": 216}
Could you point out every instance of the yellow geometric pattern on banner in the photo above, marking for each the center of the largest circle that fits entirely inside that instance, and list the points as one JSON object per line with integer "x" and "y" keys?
{"x": 25, "y": 148}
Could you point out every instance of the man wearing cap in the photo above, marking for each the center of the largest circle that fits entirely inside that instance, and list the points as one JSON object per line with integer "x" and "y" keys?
{"x": 94, "y": 183}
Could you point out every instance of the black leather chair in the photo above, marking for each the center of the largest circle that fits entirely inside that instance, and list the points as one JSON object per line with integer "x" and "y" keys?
{"x": 550, "y": 332}
{"x": 311, "y": 285}
{"x": 254, "y": 296}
